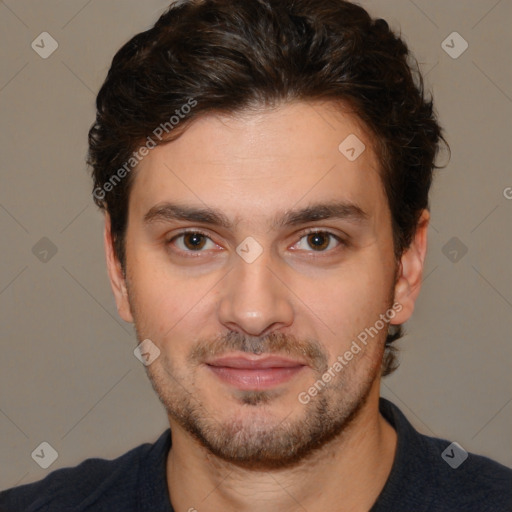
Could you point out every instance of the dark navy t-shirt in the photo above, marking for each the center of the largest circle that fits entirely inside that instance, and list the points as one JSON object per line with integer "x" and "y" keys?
{"x": 422, "y": 479}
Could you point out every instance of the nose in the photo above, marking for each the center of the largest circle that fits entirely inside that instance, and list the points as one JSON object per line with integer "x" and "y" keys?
{"x": 254, "y": 301}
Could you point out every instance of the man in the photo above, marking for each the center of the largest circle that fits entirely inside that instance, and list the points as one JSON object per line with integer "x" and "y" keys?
{"x": 264, "y": 169}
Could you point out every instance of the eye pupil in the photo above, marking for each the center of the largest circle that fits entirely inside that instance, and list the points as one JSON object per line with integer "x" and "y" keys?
{"x": 318, "y": 241}
{"x": 194, "y": 241}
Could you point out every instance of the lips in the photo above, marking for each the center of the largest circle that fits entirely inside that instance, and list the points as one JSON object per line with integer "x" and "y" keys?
{"x": 255, "y": 373}
{"x": 254, "y": 364}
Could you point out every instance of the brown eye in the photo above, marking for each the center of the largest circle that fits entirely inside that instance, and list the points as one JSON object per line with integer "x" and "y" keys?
{"x": 194, "y": 241}
{"x": 193, "y": 244}
{"x": 318, "y": 241}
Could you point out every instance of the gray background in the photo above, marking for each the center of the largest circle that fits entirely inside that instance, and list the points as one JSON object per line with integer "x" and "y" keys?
{"x": 68, "y": 374}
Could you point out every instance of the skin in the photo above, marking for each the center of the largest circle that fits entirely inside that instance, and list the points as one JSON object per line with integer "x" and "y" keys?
{"x": 237, "y": 450}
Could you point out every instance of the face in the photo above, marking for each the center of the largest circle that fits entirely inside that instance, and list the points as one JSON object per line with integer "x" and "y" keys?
{"x": 257, "y": 256}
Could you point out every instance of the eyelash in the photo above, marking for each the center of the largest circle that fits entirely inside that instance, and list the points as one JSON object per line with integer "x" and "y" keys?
{"x": 194, "y": 254}
{"x": 316, "y": 254}
{"x": 189, "y": 254}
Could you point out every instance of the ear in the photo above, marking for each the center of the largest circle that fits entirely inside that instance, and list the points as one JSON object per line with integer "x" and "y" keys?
{"x": 408, "y": 284}
{"x": 116, "y": 275}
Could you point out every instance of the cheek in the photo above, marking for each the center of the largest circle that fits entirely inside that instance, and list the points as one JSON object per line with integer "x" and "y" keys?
{"x": 352, "y": 296}
{"x": 167, "y": 305}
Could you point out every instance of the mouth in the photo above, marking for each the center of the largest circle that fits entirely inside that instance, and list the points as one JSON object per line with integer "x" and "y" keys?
{"x": 255, "y": 373}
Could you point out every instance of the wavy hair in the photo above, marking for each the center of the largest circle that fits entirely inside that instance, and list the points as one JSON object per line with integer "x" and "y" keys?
{"x": 234, "y": 55}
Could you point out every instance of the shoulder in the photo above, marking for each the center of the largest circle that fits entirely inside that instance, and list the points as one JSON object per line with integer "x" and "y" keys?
{"x": 466, "y": 481}
{"x": 78, "y": 488}
{"x": 434, "y": 474}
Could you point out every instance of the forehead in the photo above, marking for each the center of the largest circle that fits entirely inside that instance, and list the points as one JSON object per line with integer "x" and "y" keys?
{"x": 263, "y": 161}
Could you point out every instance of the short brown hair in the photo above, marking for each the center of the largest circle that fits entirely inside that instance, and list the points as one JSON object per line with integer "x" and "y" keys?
{"x": 230, "y": 55}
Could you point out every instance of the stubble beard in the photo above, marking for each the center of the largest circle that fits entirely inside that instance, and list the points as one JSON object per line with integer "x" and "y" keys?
{"x": 255, "y": 438}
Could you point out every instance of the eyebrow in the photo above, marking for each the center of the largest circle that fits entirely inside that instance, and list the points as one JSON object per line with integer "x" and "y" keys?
{"x": 168, "y": 212}
{"x": 172, "y": 212}
{"x": 322, "y": 211}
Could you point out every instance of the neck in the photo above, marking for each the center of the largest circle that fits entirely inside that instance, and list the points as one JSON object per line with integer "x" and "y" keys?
{"x": 349, "y": 471}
